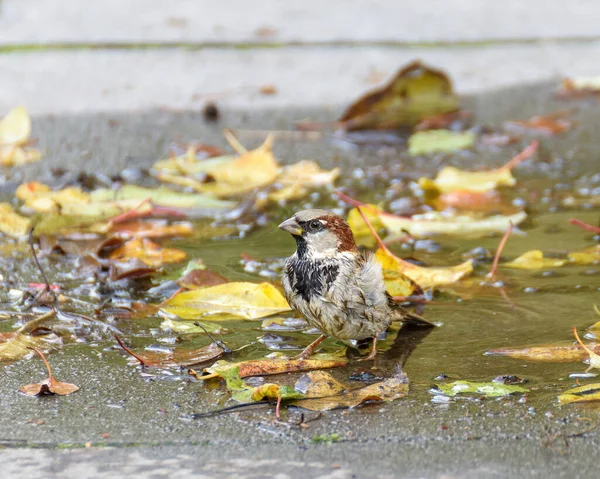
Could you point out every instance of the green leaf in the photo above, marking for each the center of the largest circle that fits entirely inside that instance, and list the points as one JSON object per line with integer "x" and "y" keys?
{"x": 443, "y": 141}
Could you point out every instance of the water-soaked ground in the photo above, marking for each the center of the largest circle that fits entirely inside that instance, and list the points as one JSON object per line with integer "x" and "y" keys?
{"x": 119, "y": 405}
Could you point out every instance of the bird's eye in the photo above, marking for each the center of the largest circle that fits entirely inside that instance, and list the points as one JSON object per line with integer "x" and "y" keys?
{"x": 315, "y": 225}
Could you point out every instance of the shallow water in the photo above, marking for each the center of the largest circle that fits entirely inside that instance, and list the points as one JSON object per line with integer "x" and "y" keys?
{"x": 532, "y": 308}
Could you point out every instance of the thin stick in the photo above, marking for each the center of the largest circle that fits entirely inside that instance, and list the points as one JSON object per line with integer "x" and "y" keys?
{"x": 128, "y": 214}
{"x": 503, "y": 241}
{"x": 374, "y": 233}
{"x": 37, "y": 263}
{"x": 129, "y": 351}
{"x": 585, "y": 226}
{"x": 234, "y": 143}
{"x": 50, "y": 377}
{"x": 218, "y": 342}
{"x": 526, "y": 153}
{"x": 278, "y": 407}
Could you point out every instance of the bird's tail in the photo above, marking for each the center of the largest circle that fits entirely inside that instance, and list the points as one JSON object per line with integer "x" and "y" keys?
{"x": 414, "y": 319}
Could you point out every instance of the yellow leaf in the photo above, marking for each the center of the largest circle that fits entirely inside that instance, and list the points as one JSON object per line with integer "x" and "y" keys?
{"x": 318, "y": 384}
{"x": 533, "y": 259}
{"x": 594, "y": 359}
{"x": 434, "y": 223}
{"x": 11, "y": 223}
{"x": 415, "y": 92}
{"x": 243, "y": 300}
{"x": 587, "y": 393}
{"x": 15, "y": 127}
{"x": 432, "y": 141}
{"x": 362, "y": 233}
{"x": 567, "y": 353}
{"x": 148, "y": 252}
{"x": 587, "y": 256}
{"x": 451, "y": 179}
{"x": 424, "y": 277}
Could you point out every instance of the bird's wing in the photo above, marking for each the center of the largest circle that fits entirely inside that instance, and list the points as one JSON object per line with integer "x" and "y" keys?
{"x": 370, "y": 279}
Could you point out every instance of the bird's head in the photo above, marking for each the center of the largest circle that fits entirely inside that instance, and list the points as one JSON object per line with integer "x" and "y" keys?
{"x": 320, "y": 233}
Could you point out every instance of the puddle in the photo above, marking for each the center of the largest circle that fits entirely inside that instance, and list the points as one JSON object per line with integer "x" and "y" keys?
{"x": 534, "y": 307}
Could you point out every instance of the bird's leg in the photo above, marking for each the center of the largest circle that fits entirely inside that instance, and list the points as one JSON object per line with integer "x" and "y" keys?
{"x": 310, "y": 349}
{"x": 373, "y": 352}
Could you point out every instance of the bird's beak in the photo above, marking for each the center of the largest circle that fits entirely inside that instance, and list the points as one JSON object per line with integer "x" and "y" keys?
{"x": 292, "y": 227}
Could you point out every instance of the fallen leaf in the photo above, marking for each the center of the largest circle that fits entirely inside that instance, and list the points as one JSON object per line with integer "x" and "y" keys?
{"x": 587, "y": 393}
{"x": 13, "y": 224}
{"x": 174, "y": 357}
{"x": 148, "y": 252}
{"x": 439, "y": 141}
{"x": 594, "y": 359}
{"x": 387, "y": 390}
{"x": 400, "y": 275}
{"x": 533, "y": 260}
{"x": 318, "y": 384}
{"x": 451, "y": 179}
{"x": 15, "y": 129}
{"x": 551, "y": 124}
{"x": 425, "y": 277}
{"x": 266, "y": 367}
{"x": 167, "y": 197}
{"x": 552, "y": 353}
{"x": 360, "y": 229}
{"x": 488, "y": 389}
{"x": 416, "y": 92}
{"x": 435, "y": 223}
{"x": 152, "y": 229}
{"x": 243, "y": 393}
{"x": 50, "y": 385}
{"x": 19, "y": 344}
{"x": 243, "y": 300}
{"x": 580, "y": 87}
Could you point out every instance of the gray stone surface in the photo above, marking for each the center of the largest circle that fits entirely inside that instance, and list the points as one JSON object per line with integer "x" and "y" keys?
{"x": 126, "y": 80}
{"x": 239, "y": 21}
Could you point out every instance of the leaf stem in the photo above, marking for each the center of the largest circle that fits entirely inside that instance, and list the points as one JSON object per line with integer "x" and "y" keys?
{"x": 501, "y": 246}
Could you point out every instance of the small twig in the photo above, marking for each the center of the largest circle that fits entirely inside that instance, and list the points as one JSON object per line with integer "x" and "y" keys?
{"x": 50, "y": 377}
{"x": 503, "y": 241}
{"x": 526, "y": 153}
{"x": 129, "y": 213}
{"x": 234, "y": 143}
{"x": 585, "y": 226}
{"x": 218, "y": 342}
{"x": 129, "y": 351}
{"x": 278, "y": 407}
{"x": 37, "y": 263}
{"x": 374, "y": 233}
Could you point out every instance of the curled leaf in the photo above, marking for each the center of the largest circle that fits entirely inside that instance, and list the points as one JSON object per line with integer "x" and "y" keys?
{"x": 49, "y": 386}
{"x": 416, "y": 92}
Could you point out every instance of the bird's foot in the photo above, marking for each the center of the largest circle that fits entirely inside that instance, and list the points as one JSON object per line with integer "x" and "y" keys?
{"x": 372, "y": 353}
{"x": 310, "y": 349}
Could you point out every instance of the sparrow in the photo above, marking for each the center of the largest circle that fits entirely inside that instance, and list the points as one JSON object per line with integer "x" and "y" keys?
{"x": 337, "y": 289}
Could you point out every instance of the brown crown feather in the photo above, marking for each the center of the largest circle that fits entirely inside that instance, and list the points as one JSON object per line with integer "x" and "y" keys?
{"x": 342, "y": 230}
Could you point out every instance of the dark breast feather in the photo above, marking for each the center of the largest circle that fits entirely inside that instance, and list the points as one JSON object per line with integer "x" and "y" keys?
{"x": 311, "y": 278}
